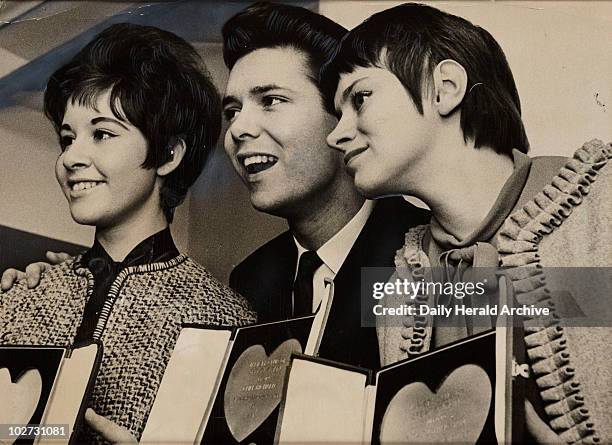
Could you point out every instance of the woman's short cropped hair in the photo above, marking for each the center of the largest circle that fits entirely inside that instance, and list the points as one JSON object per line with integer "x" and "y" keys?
{"x": 410, "y": 40}
{"x": 160, "y": 83}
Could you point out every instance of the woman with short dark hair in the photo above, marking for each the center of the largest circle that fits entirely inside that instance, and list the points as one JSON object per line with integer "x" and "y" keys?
{"x": 428, "y": 107}
{"x": 137, "y": 115}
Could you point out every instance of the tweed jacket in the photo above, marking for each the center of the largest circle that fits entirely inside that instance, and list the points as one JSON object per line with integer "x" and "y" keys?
{"x": 138, "y": 326}
{"x": 568, "y": 223}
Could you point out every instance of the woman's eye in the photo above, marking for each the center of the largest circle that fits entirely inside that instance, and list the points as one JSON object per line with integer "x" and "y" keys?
{"x": 100, "y": 135}
{"x": 359, "y": 98}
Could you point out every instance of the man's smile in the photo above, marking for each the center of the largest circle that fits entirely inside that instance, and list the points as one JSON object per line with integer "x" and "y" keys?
{"x": 255, "y": 163}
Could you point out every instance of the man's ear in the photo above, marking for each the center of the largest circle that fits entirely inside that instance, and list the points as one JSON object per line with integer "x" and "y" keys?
{"x": 450, "y": 85}
{"x": 177, "y": 152}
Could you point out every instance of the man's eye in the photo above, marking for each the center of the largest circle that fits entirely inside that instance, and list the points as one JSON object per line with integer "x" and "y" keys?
{"x": 230, "y": 113}
{"x": 100, "y": 135}
{"x": 360, "y": 97}
{"x": 270, "y": 101}
{"x": 65, "y": 142}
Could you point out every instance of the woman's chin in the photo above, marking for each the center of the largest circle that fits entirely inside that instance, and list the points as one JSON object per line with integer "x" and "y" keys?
{"x": 84, "y": 218}
{"x": 369, "y": 188}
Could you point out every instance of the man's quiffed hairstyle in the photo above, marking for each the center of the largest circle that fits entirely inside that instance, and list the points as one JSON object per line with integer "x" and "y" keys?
{"x": 163, "y": 88}
{"x": 410, "y": 40}
{"x": 267, "y": 25}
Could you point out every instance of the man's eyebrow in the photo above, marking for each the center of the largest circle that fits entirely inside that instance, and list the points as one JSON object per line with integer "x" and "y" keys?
{"x": 347, "y": 90}
{"x": 97, "y": 120}
{"x": 261, "y": 89}
{"x": 255, "y": 91}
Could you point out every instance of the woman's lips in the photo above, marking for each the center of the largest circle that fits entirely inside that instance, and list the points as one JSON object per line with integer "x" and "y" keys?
{"x": 351, "y": 154}
{"x": 84, "y": 185}
{"x": 80, "y": 188}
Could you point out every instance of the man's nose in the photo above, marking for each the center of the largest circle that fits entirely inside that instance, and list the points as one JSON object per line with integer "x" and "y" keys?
{"x": 245, "y": 125}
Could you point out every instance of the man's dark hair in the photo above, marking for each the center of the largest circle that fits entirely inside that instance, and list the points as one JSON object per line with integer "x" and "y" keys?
{"x": 273, "y": 25}
{"x": 163, "y": 88}
{"x": 410, "y": 40}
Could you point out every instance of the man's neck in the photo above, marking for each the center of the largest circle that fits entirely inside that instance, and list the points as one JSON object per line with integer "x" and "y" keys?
{"x": 319, "y": 225}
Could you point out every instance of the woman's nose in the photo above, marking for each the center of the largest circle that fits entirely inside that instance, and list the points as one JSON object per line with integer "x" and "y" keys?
{"x": 342, "y": 135}
{"x": 76, "y": 155}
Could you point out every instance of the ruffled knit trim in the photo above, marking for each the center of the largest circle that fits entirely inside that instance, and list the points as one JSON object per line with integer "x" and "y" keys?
{"x": 411, "y": 263}
{"x": 118, "y": 283}
{"x": 546, "y": 343}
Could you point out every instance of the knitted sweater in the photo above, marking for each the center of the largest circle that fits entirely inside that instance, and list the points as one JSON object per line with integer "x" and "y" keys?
{"x": 139, "y": 325}
{"x": 567, "y": 224}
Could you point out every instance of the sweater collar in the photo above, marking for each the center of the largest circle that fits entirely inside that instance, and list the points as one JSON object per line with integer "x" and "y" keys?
{"x": 504, "y": 204}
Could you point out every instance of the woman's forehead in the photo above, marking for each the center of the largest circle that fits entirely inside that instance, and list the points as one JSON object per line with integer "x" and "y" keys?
{"x": 90, "y": 102}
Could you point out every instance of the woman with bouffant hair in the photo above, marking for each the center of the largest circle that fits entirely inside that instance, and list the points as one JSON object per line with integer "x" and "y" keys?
{"x": 137, "y": 116}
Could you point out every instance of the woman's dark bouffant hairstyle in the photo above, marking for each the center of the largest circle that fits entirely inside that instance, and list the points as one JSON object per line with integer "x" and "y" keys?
{"x": 273, "y": 25}
{"x": 163, "y": 88}
{"x": 410, "y": 40}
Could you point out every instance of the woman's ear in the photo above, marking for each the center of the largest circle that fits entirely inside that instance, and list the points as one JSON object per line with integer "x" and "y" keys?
{"x": 450, "y": 85}
{"x": 177, "y": 152}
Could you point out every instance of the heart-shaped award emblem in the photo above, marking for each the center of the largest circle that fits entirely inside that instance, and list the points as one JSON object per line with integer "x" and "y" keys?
{"x": 255, "y": 387}
{"x": 455, "y": 413}
{"x": 19, "y": 399}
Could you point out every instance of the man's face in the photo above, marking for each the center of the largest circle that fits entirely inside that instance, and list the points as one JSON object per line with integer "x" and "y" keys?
{"x": 277, "y": 132}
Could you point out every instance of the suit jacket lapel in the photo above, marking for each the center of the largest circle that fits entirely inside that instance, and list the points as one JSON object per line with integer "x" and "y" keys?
{"x": 266, "y": 278}
{"x": 282, "y": 271}
{"x": 344, "y": 339}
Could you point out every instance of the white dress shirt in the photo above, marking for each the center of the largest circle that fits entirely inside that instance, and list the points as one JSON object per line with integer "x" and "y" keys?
{"x": 333, "y": 253}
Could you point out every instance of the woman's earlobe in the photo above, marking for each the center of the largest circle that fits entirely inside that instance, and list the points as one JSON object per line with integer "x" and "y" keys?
{"x": 177, "y": 153}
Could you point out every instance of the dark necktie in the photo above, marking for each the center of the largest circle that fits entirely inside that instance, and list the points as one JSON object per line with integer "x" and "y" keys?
{"x": 302, "y": 288}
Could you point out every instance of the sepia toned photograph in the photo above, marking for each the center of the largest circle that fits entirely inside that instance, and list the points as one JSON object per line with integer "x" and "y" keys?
{"x": 333, "y": 221}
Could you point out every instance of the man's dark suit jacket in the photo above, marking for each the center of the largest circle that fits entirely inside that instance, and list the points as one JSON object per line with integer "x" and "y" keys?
{"x": 266, "y": 277}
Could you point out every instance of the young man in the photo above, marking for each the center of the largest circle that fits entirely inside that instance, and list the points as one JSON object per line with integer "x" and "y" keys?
{"x": 276, "y": 140}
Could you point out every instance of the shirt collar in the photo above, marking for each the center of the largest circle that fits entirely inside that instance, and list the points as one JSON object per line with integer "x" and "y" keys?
{"x": 336, "y": 249}
{"x": 157, "y": 247}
